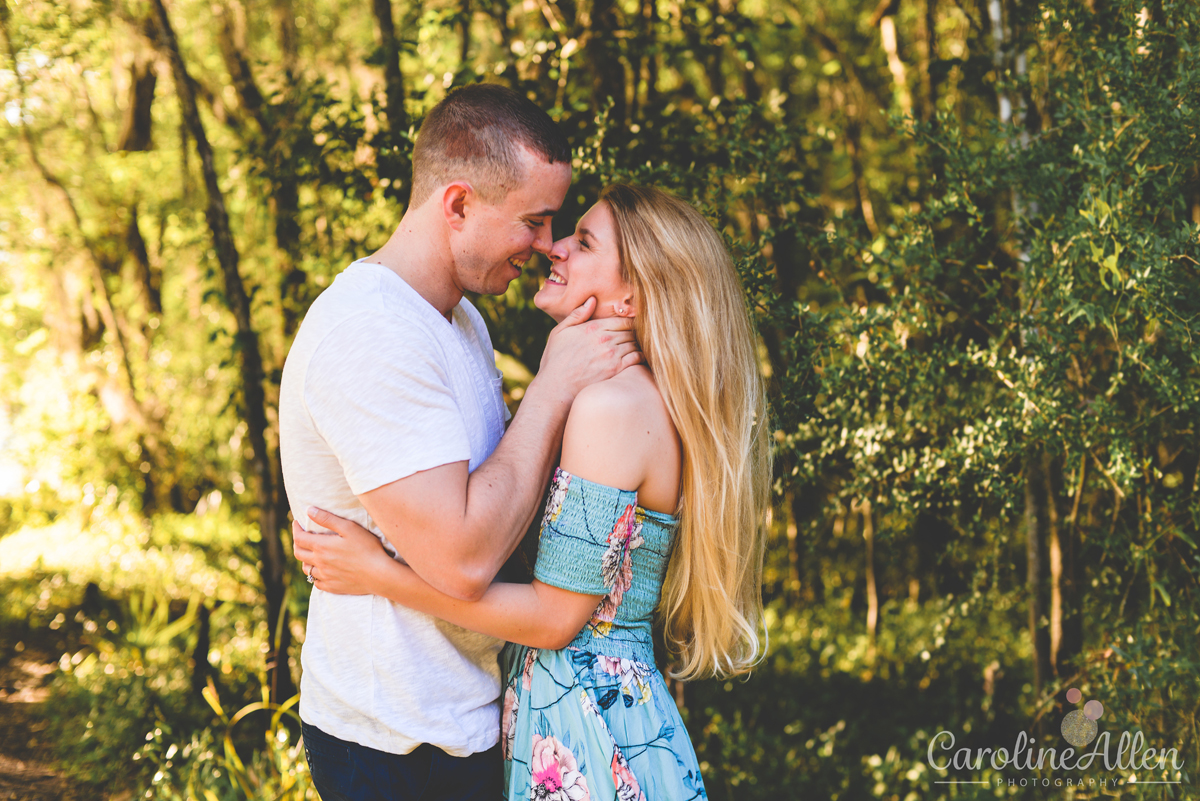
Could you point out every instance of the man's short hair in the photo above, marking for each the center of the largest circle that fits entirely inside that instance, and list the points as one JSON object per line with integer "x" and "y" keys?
{"x": 475, "y": 135}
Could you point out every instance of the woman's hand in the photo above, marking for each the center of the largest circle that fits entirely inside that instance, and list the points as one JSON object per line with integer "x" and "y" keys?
{"x": 345, "y": 562}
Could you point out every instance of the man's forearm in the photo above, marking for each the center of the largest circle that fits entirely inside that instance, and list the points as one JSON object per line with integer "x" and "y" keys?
{"x": 457, "y": 528}
{"x": 504, "y": 493}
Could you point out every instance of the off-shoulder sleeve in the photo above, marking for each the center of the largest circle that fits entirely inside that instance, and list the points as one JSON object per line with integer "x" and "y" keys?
{"x": 584, "y": 523}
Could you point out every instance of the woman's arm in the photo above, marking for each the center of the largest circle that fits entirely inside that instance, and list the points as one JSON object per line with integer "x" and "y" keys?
{"x": 352, "y": 562}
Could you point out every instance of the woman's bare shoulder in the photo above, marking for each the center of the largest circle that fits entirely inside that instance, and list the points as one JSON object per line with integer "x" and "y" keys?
{"x": 614, "y": 429}
{"x": 627, "y": 396}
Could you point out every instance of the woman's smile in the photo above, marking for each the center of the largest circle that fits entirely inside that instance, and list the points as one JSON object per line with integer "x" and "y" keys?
{"x": 587, "y": 264}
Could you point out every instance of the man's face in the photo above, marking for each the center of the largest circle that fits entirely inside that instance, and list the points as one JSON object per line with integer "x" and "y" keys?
{"x": 497, "y": 240}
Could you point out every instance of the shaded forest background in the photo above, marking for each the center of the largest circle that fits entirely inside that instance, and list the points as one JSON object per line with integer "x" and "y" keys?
{"x": 970, "y": 233}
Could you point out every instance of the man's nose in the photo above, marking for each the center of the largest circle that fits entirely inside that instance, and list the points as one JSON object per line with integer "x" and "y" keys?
{"x": 544, "y": 241}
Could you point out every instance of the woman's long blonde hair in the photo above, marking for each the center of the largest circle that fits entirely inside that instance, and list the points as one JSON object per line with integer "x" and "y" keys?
{"x": 695, "y": 332}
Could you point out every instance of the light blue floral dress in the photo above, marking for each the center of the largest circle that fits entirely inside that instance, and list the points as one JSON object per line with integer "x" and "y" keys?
{"x": 594, "y": 721}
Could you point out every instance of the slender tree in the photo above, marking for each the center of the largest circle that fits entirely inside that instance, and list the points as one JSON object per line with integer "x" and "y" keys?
{"x": 273, "y": 570}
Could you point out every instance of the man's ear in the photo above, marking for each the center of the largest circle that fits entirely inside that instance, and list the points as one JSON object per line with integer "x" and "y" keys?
{"x": 455, "y": 199}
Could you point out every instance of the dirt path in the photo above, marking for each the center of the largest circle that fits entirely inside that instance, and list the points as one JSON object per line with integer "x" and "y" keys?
{"x": 24, "y": 750}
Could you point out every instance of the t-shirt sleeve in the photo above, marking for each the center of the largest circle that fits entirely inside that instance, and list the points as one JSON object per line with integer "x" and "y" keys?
{"x": 379, "y": 394}
{"x": 584, "y": 523}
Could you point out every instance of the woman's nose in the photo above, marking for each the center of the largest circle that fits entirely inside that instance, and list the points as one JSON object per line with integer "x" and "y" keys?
{"x": 558, "y": 251}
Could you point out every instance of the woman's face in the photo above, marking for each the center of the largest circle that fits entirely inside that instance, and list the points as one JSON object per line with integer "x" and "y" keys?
{"x": 584, "y": 265}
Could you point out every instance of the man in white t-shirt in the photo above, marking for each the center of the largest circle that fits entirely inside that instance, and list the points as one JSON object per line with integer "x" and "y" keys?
{"x": 391, "y": 415}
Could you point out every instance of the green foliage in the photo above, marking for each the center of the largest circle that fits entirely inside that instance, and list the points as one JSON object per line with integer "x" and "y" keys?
{"x": 828, "y": 708}
{"x": 123, "y": 607}
{"x": 203, "y": 770}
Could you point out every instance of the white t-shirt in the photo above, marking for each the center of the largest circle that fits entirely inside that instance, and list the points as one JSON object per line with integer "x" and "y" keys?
{"x": 378, "y": 385}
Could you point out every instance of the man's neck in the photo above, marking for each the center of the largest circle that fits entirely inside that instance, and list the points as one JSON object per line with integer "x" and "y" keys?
{"x": 419, "y": 253}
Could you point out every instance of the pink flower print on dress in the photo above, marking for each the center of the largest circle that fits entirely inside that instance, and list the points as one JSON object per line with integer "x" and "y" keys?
{"x": 558, "y": 494}
{"x": 624, "y": 780}
{"x": 556, "y": 774}
{"x": 508, "y": 719}
{"x": 616, "y": 567}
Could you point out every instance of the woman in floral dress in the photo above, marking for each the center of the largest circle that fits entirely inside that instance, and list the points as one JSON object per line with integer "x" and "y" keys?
{"x": 657, "y": 509}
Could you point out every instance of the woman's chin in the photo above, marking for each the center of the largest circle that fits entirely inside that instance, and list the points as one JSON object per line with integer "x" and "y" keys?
{"x": 548, "y": 306}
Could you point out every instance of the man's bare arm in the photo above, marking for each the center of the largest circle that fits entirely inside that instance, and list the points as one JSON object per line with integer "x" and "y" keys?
{"x": 454, "y": 528}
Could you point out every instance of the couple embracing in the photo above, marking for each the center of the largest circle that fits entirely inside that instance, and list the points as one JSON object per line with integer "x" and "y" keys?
{"x": 646, "y": 419}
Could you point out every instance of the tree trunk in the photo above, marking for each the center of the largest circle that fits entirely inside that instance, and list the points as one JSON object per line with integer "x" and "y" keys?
{"x": 1071, "y": 645}
{"x": 652, "y": 59}
{"x": 643, "y": 65}
{"x": 604, "y": 61}
{"x": 929, "y": 84}
{"x": 393, "y": 80}
{"x": 1053, "y": 532}
{"x": 233, "y": 52}
{"x": 792, "y": 585}
{"x": 99, "y": 313}
{"x": 891, "y": 48}
{"x": 95, "y": 260}
{"x": 464, "y": 33}
{"x": 279, "y": 677}
{"x": 201, "y": 667}
{"x": 276, "y": 153}
{"x": 868, "y": 532}
{"x": 861, "y": 189}
{"x": 805, "y": 571}
{"x": 149, "y": 279}
{"x": 1056, "y": 599}
{"x": 1034, "y": 514}
{"x": 1037, "y": 514}
{"x": 714, "y": 65}
{"x": 285, "y": 24}
{"x": 135, "y": 131}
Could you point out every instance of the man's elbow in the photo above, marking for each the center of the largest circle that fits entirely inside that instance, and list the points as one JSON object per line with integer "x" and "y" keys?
{"x": 458, "y": 574}
{"x": 467, "y": 584}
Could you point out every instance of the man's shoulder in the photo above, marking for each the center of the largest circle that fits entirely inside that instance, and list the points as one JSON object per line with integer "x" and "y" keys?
{"x": 349, "y": 314}
{"x": 360, "y": 289}
{"x": 358, "y": 344}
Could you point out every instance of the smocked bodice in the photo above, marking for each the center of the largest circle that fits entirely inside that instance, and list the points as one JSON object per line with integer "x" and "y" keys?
{"x": 596, "y": 540}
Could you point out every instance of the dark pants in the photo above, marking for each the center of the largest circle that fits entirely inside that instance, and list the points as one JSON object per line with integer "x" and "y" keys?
{"x": 343, "y": 771}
